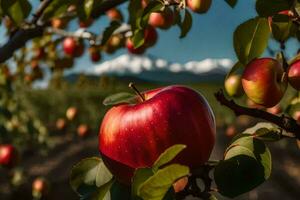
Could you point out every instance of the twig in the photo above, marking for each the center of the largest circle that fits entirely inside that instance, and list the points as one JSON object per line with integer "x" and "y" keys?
{"x": 285, "y": 122}
{"x": 23, "y": 35}
{"x": 39, "y": 12}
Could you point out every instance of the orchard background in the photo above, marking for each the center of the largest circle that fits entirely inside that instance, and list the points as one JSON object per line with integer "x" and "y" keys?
{"x": 52, "y": 103}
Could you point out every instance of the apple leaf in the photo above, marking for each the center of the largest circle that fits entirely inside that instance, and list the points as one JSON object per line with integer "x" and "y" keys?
{"x": 119, "y": 191}
{"x": 109, "y": 31}
{"x": 17, "y": 10}
{"x": 88, "y": 7}
{"x": 119, "y": 98}
{"x": 56, "y": 8}
{"x": 265, "y": 131}
{"x": 266, "y": 8}
{"x": 251, "y": 39}
{"x": 157, "y": 186}
{"x": 101, "y": 193}
{"x": 138, "y": 38}
{"x": 139, "y": 177}
{"x": 231, "y": 3}
{"x": 168, "y": 155}
{"x": 236, "y": 67}
{"x": 89, "y": 174}
{"x": 135, "y": 14}
{"x": 186, "y": 24}
{"x": 282, "y": 27}
{"x": 247, "y": 164}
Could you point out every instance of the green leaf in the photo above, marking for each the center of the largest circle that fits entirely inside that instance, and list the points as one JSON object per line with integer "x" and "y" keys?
{"x": 135, "y": 13}
{"x": 231, "y": 3}
{"x": 17, "y": 10}
{"x": 102, "y": 193}
{"x": 168, "y": 155}
{"x": 119, "y": 98}
{"x": 236, "y": 67}
{"x": 246, "y": 165}
{"x": 251, "y": 39}
{"x": 109, "y": 31}
{"x": 156, "y": 187}
{"x": 89, "y": 174}
{"x": 56, "y": 8}
{"x": 282, "y": 27}
{"x": 119, "y": 191}
{"x": 138, "y": 38}
{"x": 88, "y": 7}
{"x": 140, "y": 176}
{"x": 265, "y": 131}
{"x": 186, "y": 24}
{"x": 267, "y": 8}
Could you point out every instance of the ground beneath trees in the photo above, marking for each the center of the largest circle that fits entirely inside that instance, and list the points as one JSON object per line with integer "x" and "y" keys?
{"x": 283, "y": 184}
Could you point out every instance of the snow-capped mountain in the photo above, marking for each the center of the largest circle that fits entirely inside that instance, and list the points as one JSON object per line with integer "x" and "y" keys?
{"x": 156, "y": 69}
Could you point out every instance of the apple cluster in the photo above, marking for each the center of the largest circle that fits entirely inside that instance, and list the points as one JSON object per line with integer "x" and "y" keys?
{"x": 264, "y": 81}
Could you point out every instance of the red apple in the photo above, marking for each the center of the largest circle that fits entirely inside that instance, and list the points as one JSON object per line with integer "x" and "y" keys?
{"x": 71, "y": 113}
{"x": 199, "y": 6}
{"x": 230, "y": 131}
{"x": 69, "y": 46}
{"x": 150, "y": 36}
{"x": 58, "y": 23}
{"x": 82, "y": 130}
{"x": 39, "y": 53}
{"x": 233, "y": 85}
{"x": 264, "y": 81}
{"x": 275, "y": 110}
{"x": 8, "y": 155}
{"x": 163, "y": 19}
{"x": 131, "y": 49}
{"x": 134, "y": 135}
{"x": 73, "y": 47}
{"x": 114, "y": 14}
{"x": 34, "y": 64}
{"x": 94, "y": 54}
{"x": 180, "y": 184}
{"x": 61, "y": 124}
{"x": 40, "y": 186}
{"x": 294, "y": 75}
{"x": 296, "y": 116}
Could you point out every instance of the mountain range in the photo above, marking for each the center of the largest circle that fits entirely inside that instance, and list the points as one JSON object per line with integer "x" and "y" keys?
{"x": 150, "y": 68}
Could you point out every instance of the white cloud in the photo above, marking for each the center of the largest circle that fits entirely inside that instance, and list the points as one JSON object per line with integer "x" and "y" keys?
{"x": 131, "y": 64}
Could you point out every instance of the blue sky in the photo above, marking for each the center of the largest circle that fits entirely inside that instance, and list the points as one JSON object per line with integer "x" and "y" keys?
{"x": 210, "y": 36}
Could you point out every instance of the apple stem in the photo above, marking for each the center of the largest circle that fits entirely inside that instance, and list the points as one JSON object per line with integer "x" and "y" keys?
{"x": 132, "y": 86}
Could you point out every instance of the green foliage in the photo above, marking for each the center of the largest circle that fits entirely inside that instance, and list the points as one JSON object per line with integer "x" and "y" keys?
{"x": 266, "y": 8}
{"x": 17, "y": 10}
{"x": 247, "y": 161}
{"x": 56, "y": 8}
{"x": 282, "y": 27}
{"x": 186, "y": 24}
{"x": 168, "y": 156}
{"x": 109, "y": 31}
{"x": 119, "y": 98}
{"x": 156, "y": 187}
{"x": 231, "y": 3}
{"x": 251, "y": 39}
{"x": 89, "y": 174}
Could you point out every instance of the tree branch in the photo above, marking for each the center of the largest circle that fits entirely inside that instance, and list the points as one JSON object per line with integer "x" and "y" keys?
{"x": 39, "y": 12}
{"x": 23, "y": 35}
{"x": 285, "y": 122}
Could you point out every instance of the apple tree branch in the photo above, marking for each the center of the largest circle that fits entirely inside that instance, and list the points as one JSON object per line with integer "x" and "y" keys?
{"x": 285, "y": 122}
{"x": 27, "y": 33}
